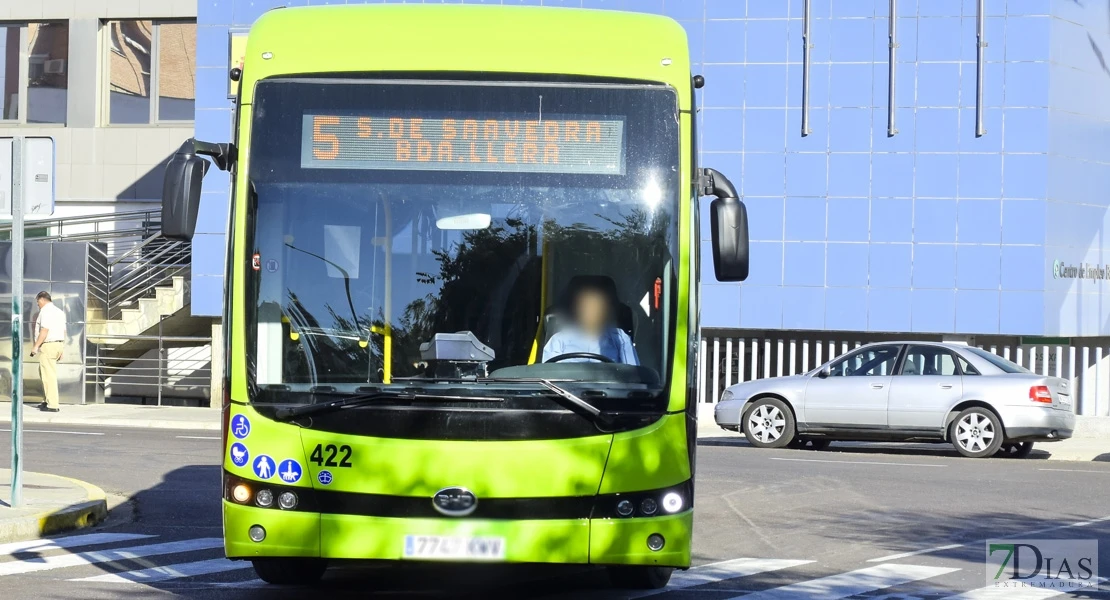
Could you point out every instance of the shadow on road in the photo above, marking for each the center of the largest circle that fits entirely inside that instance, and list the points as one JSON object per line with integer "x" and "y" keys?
{"x": 1043, "y": 452}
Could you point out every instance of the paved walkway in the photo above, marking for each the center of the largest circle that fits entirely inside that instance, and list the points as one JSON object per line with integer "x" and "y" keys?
{"x": 51, "y": 504}
{"x": 120, "y": 415}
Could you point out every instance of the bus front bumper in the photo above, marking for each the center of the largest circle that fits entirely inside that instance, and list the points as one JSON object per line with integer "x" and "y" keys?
{"x": 573, "y": 541}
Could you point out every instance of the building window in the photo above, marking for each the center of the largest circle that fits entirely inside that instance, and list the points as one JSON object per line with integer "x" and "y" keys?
{"x": 151, "y": 71}
{"x": 38, "y": 91}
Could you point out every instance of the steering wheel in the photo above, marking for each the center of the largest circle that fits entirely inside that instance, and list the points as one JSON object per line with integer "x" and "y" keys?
{"x": 570, "y": 355}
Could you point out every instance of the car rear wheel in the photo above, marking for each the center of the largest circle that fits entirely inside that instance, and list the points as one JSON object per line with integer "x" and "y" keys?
{"x": 768, "y": 423}
{"x": 290, "y": 571}
{"x": 639, "y": 578}
{"x": 1015, "y": 449}
{"x": 976, "y": 433}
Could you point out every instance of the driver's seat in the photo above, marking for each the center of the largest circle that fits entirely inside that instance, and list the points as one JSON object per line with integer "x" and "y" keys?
{"x": 555, "y": 317}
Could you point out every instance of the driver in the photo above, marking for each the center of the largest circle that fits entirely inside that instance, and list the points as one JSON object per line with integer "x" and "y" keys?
{"x": 592, "y": 331}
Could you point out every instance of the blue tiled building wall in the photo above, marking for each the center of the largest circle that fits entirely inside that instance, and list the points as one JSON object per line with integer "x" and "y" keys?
{"x": 931, "y": 230}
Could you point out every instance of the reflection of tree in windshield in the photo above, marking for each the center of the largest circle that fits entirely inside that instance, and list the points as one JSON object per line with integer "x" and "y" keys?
{"x": 487, "y": 281}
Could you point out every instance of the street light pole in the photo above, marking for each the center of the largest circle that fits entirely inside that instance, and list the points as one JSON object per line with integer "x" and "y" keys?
{"x": 17, "y": 322}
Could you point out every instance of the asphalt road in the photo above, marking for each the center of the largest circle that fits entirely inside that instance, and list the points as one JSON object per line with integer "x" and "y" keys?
{"x": 855, "y": 522}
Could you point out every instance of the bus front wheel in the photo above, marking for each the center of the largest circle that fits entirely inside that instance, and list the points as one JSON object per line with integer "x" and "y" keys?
{"x": 290, "y": 571}
{"x": 639, "y": 578}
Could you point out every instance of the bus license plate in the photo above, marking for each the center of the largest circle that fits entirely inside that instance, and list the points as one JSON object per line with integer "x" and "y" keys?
{"x": 438, "y": 547}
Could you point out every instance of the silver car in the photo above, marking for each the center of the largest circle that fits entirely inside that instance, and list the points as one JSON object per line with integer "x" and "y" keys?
{"x": 905, "y": 391}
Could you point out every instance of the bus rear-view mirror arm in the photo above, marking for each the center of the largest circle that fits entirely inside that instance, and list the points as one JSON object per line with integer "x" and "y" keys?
{"x": 182, "y": 183}
{"x": 728, "y": 222}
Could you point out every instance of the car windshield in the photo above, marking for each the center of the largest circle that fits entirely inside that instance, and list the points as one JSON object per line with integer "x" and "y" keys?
{"x": 996, "y": 360}
{"x": 409, "y": 232}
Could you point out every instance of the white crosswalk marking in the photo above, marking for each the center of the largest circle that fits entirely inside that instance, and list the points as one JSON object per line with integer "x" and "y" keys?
{"x": 47, "y": 563}
{"x": 63, "y": 543}
{"x": 1023, "y": 593}
{"x": 715, "y": 572}
{"x": 153, "y": 574}
{"x": 850, "y": 583}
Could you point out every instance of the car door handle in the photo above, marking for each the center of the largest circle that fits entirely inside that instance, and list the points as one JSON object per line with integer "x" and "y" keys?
{"x": 946, "y": 386}
{"x": 876, "y": 386}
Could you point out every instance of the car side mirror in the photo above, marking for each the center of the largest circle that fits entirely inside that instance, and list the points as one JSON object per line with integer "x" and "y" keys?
{"x": 728, "y": 223}
{"x": 824, "y": 372}
{"x": 182, "y": 184}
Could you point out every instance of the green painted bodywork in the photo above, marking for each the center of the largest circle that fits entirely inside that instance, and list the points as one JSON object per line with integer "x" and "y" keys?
{"x": 413, "y": 39}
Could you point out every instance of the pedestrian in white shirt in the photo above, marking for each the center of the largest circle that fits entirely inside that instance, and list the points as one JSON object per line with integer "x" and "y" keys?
{"x": 49, "y": 342}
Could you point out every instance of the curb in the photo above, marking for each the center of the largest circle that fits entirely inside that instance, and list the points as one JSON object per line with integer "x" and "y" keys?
{"x": 133, "y": 423}
{"x": 79, "y": 516}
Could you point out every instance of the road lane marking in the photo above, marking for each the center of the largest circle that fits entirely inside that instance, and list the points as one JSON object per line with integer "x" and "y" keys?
{"x": 851, "y": 583}
{"x": 857, "y": 462}
{"x": 48, "y": 563}
{"x": 915, "y": 553}
{"x": 1075, "y": 471}
{"x": 717, "y": 572}
{"x": 1004, "y": 537}
{"x": 154, "y": 574}
{"x": 1022, "y": 593}
{"x": 56, "y": 431}
{"x": 73, "y": 541}
{"x": 196, "y": 437}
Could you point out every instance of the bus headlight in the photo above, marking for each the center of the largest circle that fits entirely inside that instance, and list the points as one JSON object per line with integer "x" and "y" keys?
{"x": 265, "y": 498}
{"x": 672, "y": 502}
{"x": 256, "y": 533}
{"x": 241, "y": 493}
{"x": 649, "y": 506}
{"x": 287, "y": 500}
{"x": 625, "y": 508}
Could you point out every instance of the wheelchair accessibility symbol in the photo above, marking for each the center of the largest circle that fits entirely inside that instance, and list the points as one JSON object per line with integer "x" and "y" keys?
{"x": 240, "y": 426}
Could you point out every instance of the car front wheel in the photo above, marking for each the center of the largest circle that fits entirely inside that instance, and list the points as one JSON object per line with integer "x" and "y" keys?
{"x": 768, "y": 423}
{"x": 976, "y": 433}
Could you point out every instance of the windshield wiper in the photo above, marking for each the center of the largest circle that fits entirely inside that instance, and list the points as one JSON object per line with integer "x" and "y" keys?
{"x": 593, "y": 413}
{"x": 288, "y": 413}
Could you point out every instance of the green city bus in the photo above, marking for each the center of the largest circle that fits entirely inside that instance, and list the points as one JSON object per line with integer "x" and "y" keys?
{"x": 461, "y": 317}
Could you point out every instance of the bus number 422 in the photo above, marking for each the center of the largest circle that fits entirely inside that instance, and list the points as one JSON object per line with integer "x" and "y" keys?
{"x": 331, "y": 452}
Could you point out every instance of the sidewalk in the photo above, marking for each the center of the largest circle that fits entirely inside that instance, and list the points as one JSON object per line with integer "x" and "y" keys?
{"x": 50, "y": 504}
{"x": 119, "y": 415}
{"x": 1091, "y": 442}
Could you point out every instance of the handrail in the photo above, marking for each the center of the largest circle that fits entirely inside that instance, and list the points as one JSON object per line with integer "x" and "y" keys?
{"x": 89, "y": 219}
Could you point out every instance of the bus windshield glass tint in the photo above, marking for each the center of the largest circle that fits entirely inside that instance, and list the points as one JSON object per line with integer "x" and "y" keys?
{"x": 405, "y": 232}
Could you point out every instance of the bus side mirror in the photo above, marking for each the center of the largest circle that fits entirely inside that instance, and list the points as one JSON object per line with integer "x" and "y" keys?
{"x": 728, "y": 222}
{"x": 182, "y": 183}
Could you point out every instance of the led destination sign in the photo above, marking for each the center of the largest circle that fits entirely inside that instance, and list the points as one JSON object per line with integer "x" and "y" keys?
{"x": 406, "y": 141}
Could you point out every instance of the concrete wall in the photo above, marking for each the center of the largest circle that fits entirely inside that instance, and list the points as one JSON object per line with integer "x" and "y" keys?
{"x": 100, "y": 168}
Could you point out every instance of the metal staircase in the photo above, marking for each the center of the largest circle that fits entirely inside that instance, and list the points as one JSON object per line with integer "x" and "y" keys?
{"x": 138, "y": 315}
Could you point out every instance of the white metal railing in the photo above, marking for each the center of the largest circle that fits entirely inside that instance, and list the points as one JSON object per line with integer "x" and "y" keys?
{"x": 726, "y": 361}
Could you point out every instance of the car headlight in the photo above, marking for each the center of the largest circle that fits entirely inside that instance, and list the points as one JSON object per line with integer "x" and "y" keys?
{"x": 727, "y": 395}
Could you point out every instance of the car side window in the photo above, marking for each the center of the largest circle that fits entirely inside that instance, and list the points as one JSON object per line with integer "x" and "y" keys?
{"x": 873, "y": 361}
{"x": 966, "y": 367}
{"x": 929, "y": 360}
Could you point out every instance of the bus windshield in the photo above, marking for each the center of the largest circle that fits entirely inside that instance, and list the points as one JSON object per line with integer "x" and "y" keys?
{"x": 403, "y": 233}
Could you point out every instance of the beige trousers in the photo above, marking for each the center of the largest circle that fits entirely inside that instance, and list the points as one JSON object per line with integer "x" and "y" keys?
{"x": 49, "y": 353}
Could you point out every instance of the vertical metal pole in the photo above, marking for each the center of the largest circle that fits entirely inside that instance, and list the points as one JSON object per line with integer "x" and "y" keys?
{"x": 159, "y": 360}
{"x": 17, "y": 321}
{"x": 980, "y": 50}
{"x": 805, "y": 69}
{"x": 891, "y": 126}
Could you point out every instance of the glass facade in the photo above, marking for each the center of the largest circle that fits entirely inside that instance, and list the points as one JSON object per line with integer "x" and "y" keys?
{"x": 984, "y": 213}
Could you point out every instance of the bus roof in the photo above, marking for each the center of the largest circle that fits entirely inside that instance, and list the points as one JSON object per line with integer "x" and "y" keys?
{"x": 461, "y": 38}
